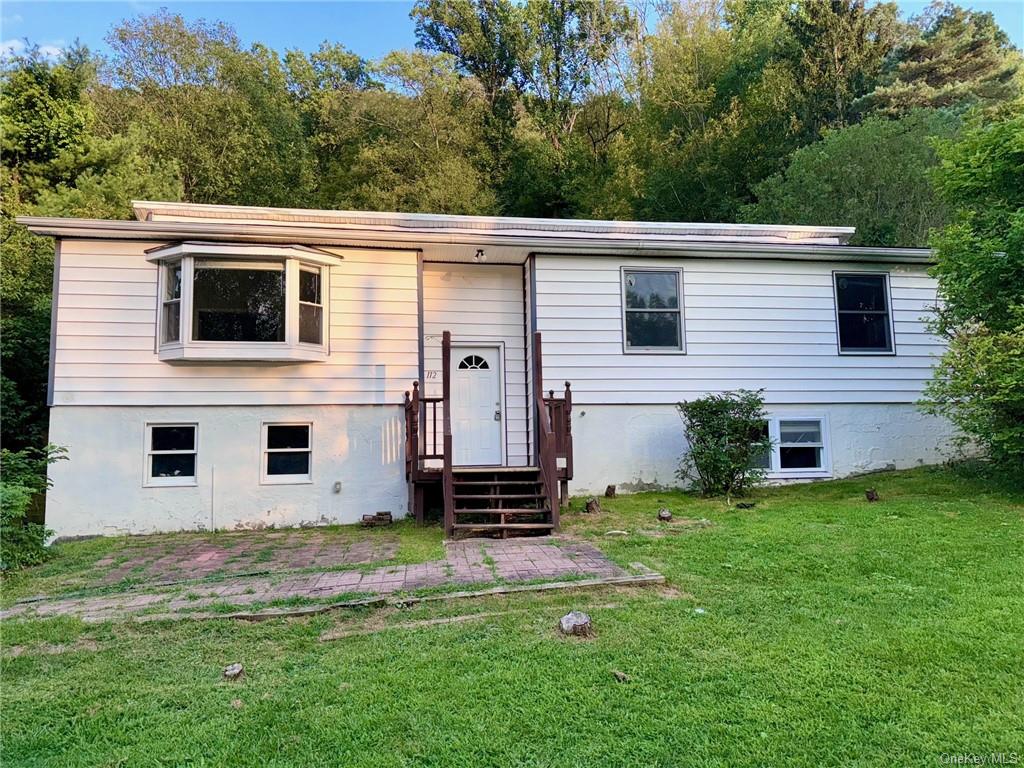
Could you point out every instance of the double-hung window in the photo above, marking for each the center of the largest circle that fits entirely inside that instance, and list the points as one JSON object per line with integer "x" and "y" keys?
{"x": 229, "y": 301}
{"x": 652, "y": 308}
{"x": 287, "y": 453}
{"x": 863, "y": 316}
{"x": 170, "y": 310}
{"x": 799, "y": 448}
{"x": 311, "y": 305}
{"x": 171, "y": 452}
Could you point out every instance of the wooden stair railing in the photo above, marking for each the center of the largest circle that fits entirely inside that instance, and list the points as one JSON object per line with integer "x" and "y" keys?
{"x": 560, "y": 411}
{"x": 546, "y": 450}
{"x": 421, "y": 444}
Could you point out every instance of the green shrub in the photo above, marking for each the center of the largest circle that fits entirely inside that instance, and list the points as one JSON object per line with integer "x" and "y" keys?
{"x": 979, "y": 386}
{"x": 23, "y": 542}
{"x": 725, "y": 433}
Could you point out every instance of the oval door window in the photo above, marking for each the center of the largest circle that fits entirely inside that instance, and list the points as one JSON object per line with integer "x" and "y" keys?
{"x": 473, "y": 363}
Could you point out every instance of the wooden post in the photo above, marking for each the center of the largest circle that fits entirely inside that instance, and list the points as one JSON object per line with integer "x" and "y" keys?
{"x": 446, "y": 394}
{"x": 567, "y": 412}
{"x": 546, "y": 443}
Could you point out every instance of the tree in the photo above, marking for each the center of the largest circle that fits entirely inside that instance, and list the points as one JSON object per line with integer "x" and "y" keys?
{"x": 54, "y": 165}
{"x": 719, "y": 108}
{"x": 839, "y": 50}
{"x": 873, "y": 176}
{"x": 959, "y": 58}
{"x": 416, "y": 146}
{"x": 222, "y": 115}
{"x": 979, "y": 383}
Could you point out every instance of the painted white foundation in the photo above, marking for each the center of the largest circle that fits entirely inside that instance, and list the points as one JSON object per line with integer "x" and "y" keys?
{"x": 101, "y": 488}
{"x": 638, "y": 447}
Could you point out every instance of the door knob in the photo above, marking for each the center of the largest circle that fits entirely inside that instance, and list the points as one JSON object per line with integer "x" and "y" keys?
{"x": 497, "y": 415}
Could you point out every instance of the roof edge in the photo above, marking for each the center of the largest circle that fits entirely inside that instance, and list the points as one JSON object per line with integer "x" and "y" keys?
{"x": 361, "y": 237}
{"x": 146, "y": 210}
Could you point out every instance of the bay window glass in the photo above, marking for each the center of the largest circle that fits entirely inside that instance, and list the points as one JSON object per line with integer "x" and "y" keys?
{"x": 238, "y": 300}
{"x": 311, "y": 309}
{"x": 171, "y": 305}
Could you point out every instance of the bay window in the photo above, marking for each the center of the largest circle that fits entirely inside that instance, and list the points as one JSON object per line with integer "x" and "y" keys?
{"x": 224, "y": 301}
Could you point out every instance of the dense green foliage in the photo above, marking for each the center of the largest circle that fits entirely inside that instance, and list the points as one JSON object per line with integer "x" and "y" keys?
{"x": 724, "y": 434}
{"x": 980, "y": 381}
{"x": 832, "y": 631}
{"x": 872, "y": 175}
{"x": 22, "y": 541}
{"x": 716, "y": 110}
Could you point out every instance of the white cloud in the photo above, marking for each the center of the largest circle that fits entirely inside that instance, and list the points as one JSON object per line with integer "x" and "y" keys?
{"x": 12, "y": 47}
{"x": 17, "y": 47}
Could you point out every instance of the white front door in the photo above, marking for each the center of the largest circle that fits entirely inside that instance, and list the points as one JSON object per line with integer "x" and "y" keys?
{"x": 477, "y": 417}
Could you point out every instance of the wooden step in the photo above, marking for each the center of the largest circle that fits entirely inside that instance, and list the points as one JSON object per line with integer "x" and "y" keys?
{"x": 478, "y": 470}
{"x": 509, "y": 511}
{"x": 498, "y": 496}
{"x": 502, "y": 526}
{"x": 496, "y": 481}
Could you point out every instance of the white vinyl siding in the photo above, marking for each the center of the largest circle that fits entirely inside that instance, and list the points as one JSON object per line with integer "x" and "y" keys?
{"x": 106, "y": 337}
{"x": 482, "y": 304}
{"x": 749, "y": 324}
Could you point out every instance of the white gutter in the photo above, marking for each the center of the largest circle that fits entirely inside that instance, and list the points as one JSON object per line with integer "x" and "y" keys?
{"x": 363, "y": 237}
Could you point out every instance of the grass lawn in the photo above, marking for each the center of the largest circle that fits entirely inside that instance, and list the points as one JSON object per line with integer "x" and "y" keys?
{"x": 814, "y": 629}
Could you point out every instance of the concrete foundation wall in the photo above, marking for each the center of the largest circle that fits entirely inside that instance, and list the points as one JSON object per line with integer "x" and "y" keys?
{"x": 100, "y": 489}
{"x": 637, "y": 447}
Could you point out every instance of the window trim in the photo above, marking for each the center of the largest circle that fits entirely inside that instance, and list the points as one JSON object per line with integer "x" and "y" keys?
{"x": 891, "y": 352}
{"x": 325, "y": 321}
{"x": 268, "y": 479}
{"x": 165, "y": 269}
{"x": 295, "y": 258}
{"x": 148, "y": 481}
{"x": 628, "y": 350}
{"x": 776, "y": 471}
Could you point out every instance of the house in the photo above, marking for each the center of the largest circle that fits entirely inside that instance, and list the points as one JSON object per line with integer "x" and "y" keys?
{"x": 241, "y": 367}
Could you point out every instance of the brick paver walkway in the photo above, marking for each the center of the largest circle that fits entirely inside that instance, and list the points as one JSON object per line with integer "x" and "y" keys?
{"x": 146, "y": 560}
{"x": 469, "y": 561}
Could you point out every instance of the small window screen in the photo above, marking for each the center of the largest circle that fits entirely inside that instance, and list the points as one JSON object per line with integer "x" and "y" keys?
{"x": 652, "y": 306}
{"x": 862, "y": 310}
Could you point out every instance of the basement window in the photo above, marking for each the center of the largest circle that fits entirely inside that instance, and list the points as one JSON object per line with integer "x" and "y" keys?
{"x": 171, "y": 452}
{"x": 799, "y": 448}
{"x": 234, "y": 302}
{"x": 287, "y": 453}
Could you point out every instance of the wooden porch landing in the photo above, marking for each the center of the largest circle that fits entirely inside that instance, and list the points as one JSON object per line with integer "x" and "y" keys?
{"x": 493, "y": 500}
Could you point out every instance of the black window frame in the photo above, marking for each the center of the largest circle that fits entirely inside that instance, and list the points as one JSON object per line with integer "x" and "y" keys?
{"x": 626, "y": 310}
{"x": 888, "y": 312}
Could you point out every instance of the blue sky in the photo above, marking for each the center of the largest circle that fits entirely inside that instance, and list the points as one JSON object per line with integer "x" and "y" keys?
{"x": 371, "y": 28}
